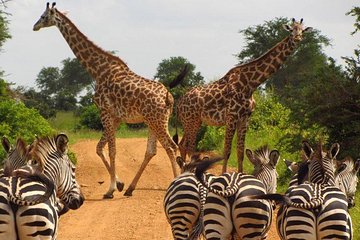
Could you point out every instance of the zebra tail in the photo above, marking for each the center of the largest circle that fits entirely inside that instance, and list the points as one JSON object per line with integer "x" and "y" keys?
{"x": 198, "y": 230}
{"x": 280, "y": 198}
{"x": 39, "y": 177}
{"x": 206, "y": 164}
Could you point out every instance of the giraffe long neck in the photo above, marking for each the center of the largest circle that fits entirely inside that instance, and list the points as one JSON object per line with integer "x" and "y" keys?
{"x": 96, "y": 61}
{"x": 256, "y": 72}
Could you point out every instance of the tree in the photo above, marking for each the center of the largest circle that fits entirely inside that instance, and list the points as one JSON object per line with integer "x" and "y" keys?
{"x": 303, "y": 62}
{"x": 168, "y": 69}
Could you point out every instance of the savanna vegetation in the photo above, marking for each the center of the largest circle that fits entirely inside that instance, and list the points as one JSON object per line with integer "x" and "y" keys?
{"x": 312, "y": 97}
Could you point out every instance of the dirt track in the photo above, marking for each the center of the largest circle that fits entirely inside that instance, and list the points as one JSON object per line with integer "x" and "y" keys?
{"x": 138, "y": 217}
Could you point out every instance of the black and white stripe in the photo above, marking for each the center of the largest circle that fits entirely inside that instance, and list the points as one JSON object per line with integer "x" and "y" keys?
{"x": 39, "y": 221}
{"x": 227, "y": 211}
{"x": 346, "y": 178}
{"x": 315, "y": 209}
{"x": 17, "y": 156}
{"x": 183, "y": 203}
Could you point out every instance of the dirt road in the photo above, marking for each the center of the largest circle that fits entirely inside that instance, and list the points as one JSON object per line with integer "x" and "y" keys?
{"x": 138, "y": 217}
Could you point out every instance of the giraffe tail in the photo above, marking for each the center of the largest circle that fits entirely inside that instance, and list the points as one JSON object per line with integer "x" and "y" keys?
{"x": 180, "y": 77}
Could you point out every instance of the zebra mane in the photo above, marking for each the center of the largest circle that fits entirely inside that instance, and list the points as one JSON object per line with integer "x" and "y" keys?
{"x": 262, "y": 154}
{"x": 43, "y": 147}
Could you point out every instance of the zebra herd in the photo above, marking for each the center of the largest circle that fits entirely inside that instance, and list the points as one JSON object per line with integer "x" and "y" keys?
{"x": 37, "y": 185}
{"x": 240, "y": 206}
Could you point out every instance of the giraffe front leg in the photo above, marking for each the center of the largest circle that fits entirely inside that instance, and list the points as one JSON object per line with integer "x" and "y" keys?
{"x": 149, "y": 154}
{"x": 229, "y": 134}
{"x": 114, "y": 182}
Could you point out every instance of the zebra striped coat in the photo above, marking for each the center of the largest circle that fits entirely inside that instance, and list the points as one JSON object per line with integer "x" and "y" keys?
{"x": 183, "y": 202}
{"x": 346, "y": 178}
{"x": 39, "y": 221}
{"x": 227, "y": 211}
{"x": 315, "y": 209}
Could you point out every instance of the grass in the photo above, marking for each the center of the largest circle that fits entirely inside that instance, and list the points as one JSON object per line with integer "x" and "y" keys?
{"x": 66, "y": 122}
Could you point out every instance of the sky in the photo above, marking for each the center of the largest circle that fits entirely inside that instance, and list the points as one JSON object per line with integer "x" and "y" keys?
{"x": 145, "y": 32}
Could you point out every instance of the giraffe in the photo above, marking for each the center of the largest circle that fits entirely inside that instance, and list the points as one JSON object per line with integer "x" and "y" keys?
{"x": 229, "y": 101}
{"x": 121, "y": 95}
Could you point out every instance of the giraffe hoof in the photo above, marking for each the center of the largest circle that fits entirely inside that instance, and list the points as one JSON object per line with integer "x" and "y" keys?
{"x": 108, "y": 196}
{"x": 120, "y": 186}
{"x": 128, "y": 193}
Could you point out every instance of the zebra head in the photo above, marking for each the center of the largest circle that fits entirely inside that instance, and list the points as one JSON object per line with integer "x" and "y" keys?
{"x": 17, "y": 156}
{"x": 264, "y": 162}
{"x": 50, "y": 153}
{"x": 321, "y": 167}
{"x": 346, "y": 178}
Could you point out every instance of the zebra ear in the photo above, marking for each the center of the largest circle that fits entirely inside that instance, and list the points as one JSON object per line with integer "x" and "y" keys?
{"x": 307, "y": 149}
{"x": 334, "y": 150}
{"x": 341, "y": 168}
{"x": 61, "y": 142}
{"x": 180, "y": 162}
{"x": 6, "y": 144}
{"x": 274, "y": 157}
{"x": 21, "y": 146}
{"x": 250, "y": 156}
{"x": 357, "y": 165}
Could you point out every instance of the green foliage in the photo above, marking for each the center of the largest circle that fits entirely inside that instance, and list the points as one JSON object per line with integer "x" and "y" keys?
{"x": 211, "y": 138}
{"x": 40, "y": 101}
{"x": 90, "y": 117}
{"x": 4, "y": 30}
{"x": 18, "y": 121}
{"x": 168, "y": 69}
{"x": 356, "y": 13}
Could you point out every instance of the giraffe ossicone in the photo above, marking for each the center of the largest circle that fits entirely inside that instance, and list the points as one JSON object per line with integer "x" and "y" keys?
{"x": 229, "y": 101}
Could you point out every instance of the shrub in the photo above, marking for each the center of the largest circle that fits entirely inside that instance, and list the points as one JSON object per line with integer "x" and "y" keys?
{"x": 18, "y": 121}
{"x": 90, "y": 117}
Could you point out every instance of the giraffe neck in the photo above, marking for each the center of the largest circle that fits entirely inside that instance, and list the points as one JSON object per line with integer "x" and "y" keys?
{"x": 256, "y": 72}
{"x": 95, "y": 60}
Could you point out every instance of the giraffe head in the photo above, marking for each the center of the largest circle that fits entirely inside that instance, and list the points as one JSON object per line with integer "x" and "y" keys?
{"x": 296, "y": 29}
{"x": 47, "y": 19}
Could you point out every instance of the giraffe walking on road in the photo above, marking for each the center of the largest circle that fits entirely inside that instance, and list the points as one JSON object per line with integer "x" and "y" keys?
{"x": 121, "y": 95}
{"x": 229, "y": 101}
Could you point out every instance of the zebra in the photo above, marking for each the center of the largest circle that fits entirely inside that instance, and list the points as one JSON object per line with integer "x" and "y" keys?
{"x": 315, "y": 209}
{"x": 183, "y": 202}
{"x": 227, "y": 212}
{"x": 346, "y": 178}
{"x": 17, "y": 156}
{"x": 39, "y": 221}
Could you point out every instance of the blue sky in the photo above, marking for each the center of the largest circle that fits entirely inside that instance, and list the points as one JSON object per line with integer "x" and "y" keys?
{"x": 143, "y": 33}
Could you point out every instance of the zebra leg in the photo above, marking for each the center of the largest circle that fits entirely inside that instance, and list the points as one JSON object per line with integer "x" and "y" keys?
{"x": 217, "y": 218}
{"x": 37, "y": 222}
{"x": 7, "y": 223}
{"x": 149, "y": 154}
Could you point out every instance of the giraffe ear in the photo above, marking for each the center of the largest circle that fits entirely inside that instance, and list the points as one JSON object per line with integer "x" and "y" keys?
{"x": 287, "y": 27}
{"x": 308, "y": 29}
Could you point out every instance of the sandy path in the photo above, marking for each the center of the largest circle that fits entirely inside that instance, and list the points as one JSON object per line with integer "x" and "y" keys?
{"x": 138, "y": 217}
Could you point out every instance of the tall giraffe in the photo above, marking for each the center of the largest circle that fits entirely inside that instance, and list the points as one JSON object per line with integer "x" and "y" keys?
{"x": 229, "y": 101}
{"x": 121, "y": 95}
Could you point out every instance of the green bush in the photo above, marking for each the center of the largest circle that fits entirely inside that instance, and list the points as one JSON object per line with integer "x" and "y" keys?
{"x": 90, "y": 117}
{"x": 18, "y": 121}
